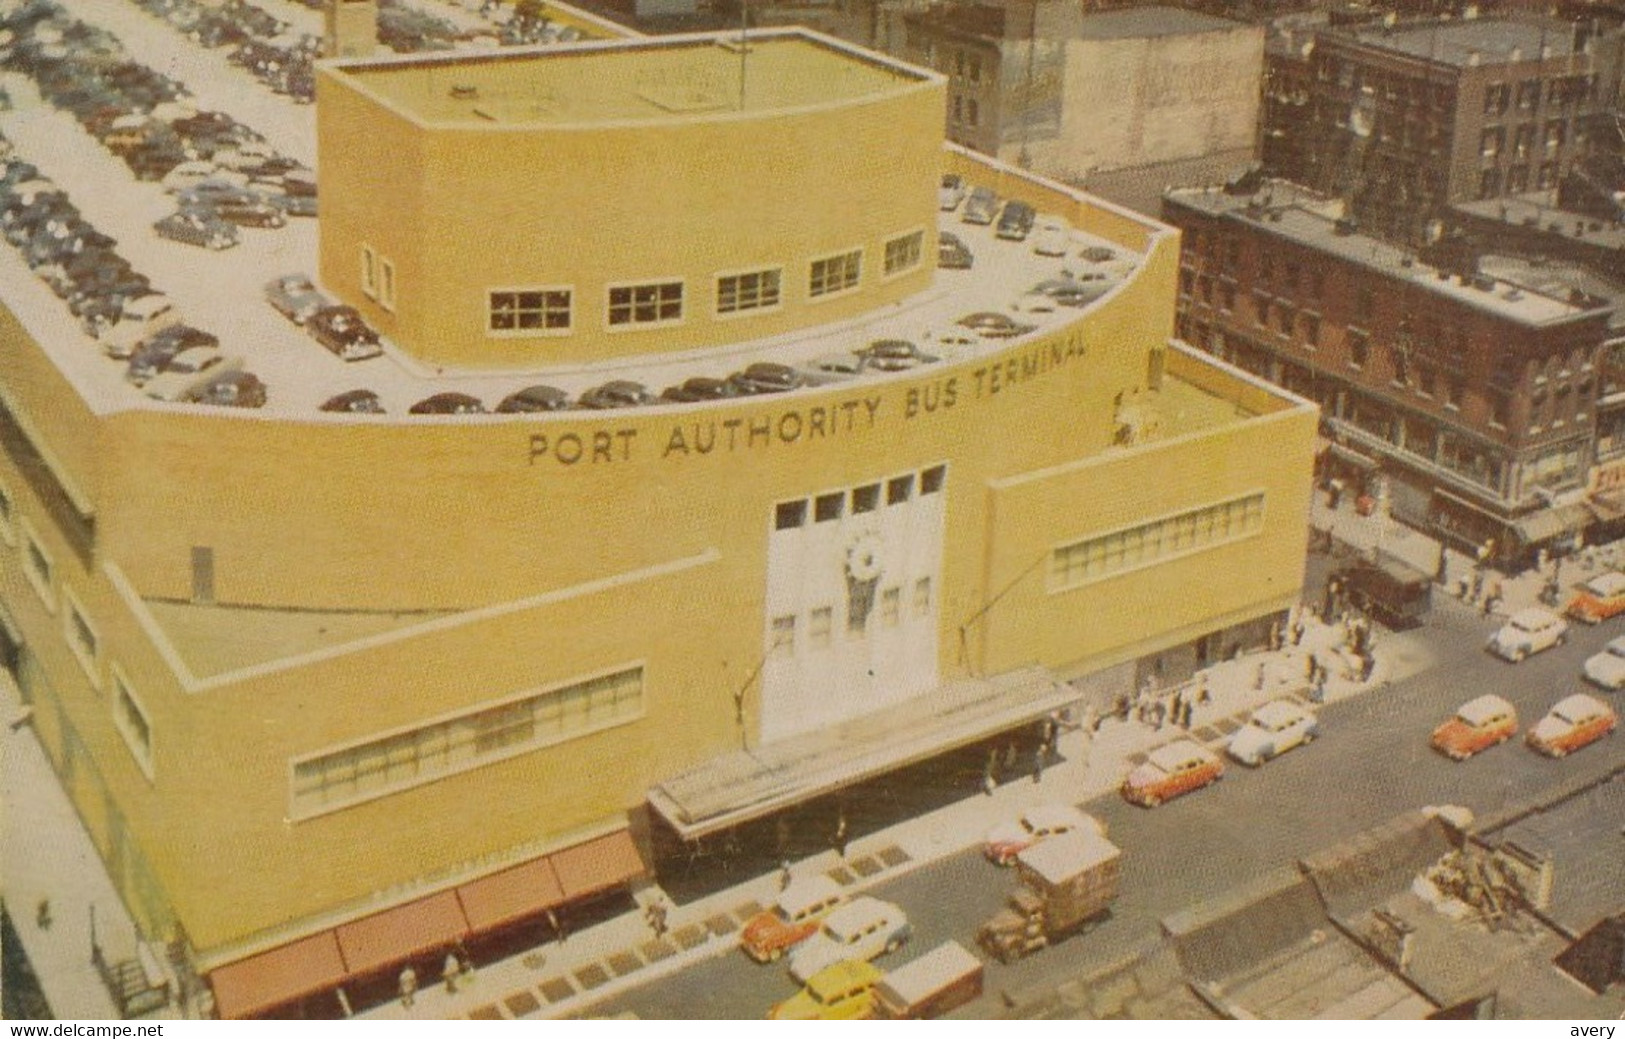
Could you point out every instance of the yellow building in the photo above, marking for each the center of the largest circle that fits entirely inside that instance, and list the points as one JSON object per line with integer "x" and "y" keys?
{"x": 419, "y": 669}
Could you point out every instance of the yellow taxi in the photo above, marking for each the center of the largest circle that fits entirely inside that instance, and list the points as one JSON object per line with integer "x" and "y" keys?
{"x": 843, "y": 991}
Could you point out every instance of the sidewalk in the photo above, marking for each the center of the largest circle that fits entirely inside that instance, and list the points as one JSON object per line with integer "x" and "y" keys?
{"x": 569, "y": 977}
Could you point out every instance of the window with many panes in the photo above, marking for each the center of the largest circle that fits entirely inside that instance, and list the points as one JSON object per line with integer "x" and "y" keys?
{"x": 833, "y": 274}
{"x": 37, "y": 566}
{"x": 528, "y": 311}
{"x": 81, "y": 636}
{"x": 903, "y": 252}
{"x": 1131, "y": 548}
{"x": 130, "y": 719}
{"x": 649, "y": 304}
{"x": 751, "y": 290}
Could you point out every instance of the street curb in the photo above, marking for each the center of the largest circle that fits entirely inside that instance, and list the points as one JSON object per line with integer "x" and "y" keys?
{"x": 1553, "y": 798}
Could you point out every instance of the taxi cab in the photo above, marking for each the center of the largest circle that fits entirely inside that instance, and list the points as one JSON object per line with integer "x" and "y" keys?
{"x": 1479, "y": 723}
{"x": 793, "y": 917}
{"x": 1171, "y": 770}
{"x": 1598, "y": 599}
{"x": 1573, "y": 722}
{"x": 1528, "y": 631}
{"x": 843, "y": 991}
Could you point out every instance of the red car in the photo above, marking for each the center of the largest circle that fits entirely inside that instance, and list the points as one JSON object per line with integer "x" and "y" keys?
{"x": 1178, "y": 768}
{"x": 1600, "y": 598}
{"x": 1573, "y": 722}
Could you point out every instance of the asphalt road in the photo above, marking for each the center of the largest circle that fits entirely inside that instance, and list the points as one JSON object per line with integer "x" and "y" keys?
{"x": 1371, "y": 763}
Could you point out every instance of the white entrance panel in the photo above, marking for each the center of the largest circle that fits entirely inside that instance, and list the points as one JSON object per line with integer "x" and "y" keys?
{"x": 853, "y": 579}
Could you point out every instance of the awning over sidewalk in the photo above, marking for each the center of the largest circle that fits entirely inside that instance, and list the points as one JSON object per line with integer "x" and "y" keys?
{"x": 749, "y": 784}
{"x": 1551, "y": 523}
{"x": 262, "y": 982}
{"x": 401, "y": 933}
{"x": 598, "y": 864}
{"x": 510, "y": 895}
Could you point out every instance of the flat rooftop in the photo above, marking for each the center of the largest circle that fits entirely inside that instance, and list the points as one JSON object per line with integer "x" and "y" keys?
{"x": 1141, "y": 22}
{"x": 1479, "y": 41}
{"x": 655, "y": 80}
{"x": 1277, "y": 211}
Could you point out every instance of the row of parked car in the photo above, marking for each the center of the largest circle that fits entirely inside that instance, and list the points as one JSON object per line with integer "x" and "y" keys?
{"x": 266, "y": 47}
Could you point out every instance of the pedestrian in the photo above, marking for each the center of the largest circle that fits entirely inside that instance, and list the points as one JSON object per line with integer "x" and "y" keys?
{"x": 1159, "y": 714}
{"x": 784, "y": 875}
{"x": 657, "y": 917}
{"x": 1179, "y": 705}
{"x": 408, "y": 984}
{"x": 452, "y": 972}
{"x": 1317, "y": 688}
{"x": 840, "y": 832}
{"x": 1297, "y": 631}
{"x": 1368, "y": 664}
{"x": 1190, "y": 712}
{"x": 1258, "y": 680}
{"x": 990, "y": 773}
{"x": 1334, "y": 494}
{"x": 557, "y": 924}
{"x": 42, "y": 914}
{"x": 1273, "y": 638}
{"x": 1122, "y": 707}
{"x": 1038, "y": 763}
{"x": 1202, "y": 694}
{"x": 1478, "y": 585}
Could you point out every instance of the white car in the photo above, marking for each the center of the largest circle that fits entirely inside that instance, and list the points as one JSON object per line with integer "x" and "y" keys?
{"x": 140, "y": 318}
{"x": 1009, "y": 839}
{"x": 1528, "y": 631}
{"x": 1607, "y": 668}
{"x": 1052, "y": 237}
{"x": 862, "y": 929}
{"x": 189, "y": 372}
{"x": 1274, "y": 729}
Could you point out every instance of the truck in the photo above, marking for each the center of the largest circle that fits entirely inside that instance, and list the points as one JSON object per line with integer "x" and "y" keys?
{"x": 1066, "y": 882}
{"x": 1394, "y": 592}
{"x": 944, "y": 978}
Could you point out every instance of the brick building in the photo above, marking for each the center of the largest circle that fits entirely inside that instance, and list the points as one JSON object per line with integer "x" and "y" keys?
{"x": 1469, "y": 402}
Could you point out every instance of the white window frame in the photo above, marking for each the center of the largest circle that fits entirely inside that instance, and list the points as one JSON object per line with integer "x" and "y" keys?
{"x": 143, "y": 752}
{"x": 739, "y": 312}
{"x": 919, "y": 257}
{"x": 369, "y": 271}
{"x": 43, "y": 584}
{"x": 528, "y": 333}
{"x": 8, "y": 528}
{"x": 840, "y": 254}
{"x": 89, "y": 661}
{"x": 646, "y": 283}
{"x": 1156, "y": 540}
{"x": 386, "y": 284}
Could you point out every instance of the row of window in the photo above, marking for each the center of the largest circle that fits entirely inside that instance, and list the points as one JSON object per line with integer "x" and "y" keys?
{"x": 129, "y": 717}
{"x": 821, "y": 619}
{"x": 364, "y": 771}
{"x": 1492, "y": 184}
{"x": 1562, "y": 90}
{"x": 1119, "y": 551}
{"x": 550, "y": 309}
{"x": 1493, "y": 140}
{"x": 788, "y": 515}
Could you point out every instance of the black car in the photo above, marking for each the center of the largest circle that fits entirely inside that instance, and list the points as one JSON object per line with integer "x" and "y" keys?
{"x": 621, "y": 393}
{"x": 893, "y": 355}
{"x": 1071, "y": 292}
{"x": 1016, "y": 221}
{"x": 342, "y": 330}
{"x": 952, "y": 253}
{"x": 355, "y": 402}
{"x": 533, "y": 399}
{"x": 155, "y": 353}
{"x": 698, "y": 388}
{"x": 767, "y": 377}
{"x": 232, "y": 390}
{"x": 448, "y": 404}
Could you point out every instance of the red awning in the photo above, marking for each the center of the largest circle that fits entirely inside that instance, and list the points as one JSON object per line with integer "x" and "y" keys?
{"x": 504, "y": 897}
{"x": 598, "y": 864}
{"x": 270, "y": 979}
{"x": 396, "y": 934}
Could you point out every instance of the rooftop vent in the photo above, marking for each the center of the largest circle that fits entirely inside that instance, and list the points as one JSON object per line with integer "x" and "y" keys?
{"x": 1345, "y": 226}
{"x": 465, "y": 92}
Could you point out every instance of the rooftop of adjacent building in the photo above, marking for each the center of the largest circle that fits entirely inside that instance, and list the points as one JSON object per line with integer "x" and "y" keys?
{"x": 649, "y": 80}
{"x": 1471, "y": 41}
{"x": 988, "y": 20}
{"x": 1293, "y": 213}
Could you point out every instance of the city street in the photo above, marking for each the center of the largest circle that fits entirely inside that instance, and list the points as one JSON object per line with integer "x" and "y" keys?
{"x": 1372, "y": 763}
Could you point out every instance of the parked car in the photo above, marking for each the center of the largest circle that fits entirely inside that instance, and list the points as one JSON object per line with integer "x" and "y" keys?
{"x": 1600, "y": 598}
{"x": 698, "y": 388}
{"x": 843, "y": 991}
{"x": 197, "y": 227}
{"x": 792, "y": 918}
{"x": 1015, "y": 221}
{"x": 1097, "y": 254}
{"x": 139, "y": 318}
{"x": 448, "y": 404}
{"x": 1009, "y": 839}
{"x": 189, "y": 371}
{"x": 619, "y": 393}
{"x": 766, "y": 377}
{"x": 1171, "y": 770}
{"x": 893, "y": 355}
{"x": 952, "y": 192}
{"x": 952, "y": 253}
{"x": 248, "y": 210}
{"x": 1478, "y": 724}
{"x": 1051, "y": 237}
{"x": 1071, "y": 292}
{"x": 533, "y": 399}
{"x": 231, "y": 390}
{"x": 1033, "y": 303}
{"x": 342, "y": 330}
{"x": 1607, "y": 668}
{"x": 994, "y": 325}
{"x": 1274, "y": 729}
{"x": 355, "y": 402}
{"x": 1530, "y": 630}
{"x": 295, "y": 297}
{"x": 862, "y": 929}
{"x": 157, "y": 350}
{"x": 193, "y": 172}
{"x": 821, "y": 371}
{"x": 981, "y": 206}
{"x": 1573, "y": 722}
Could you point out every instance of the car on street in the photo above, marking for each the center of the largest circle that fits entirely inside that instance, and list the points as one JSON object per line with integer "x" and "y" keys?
{"x": 196, "y": 227}
{"x": 355, "y": 402}
{"x": 1598, "y": 599}
{"x": 448, "y": 404}
{"x": 534, "y": 399}
{"x": 1274, "y": 729}
{"x": 792, "y": 918}
{"x": 843, "y": 991}
{"x": 617, "y": 393}
{"x": 862, "y": 929}
{"x": 188, "y": 371}
{"x": 1573, "y": 722}
{"x": 1607, "y": 669}
{"x": 231, "y": 390}
{"x": 295, "y": 297}
{"x": 1051, "y": 237}
{"x": 1171, "y": 770}
{"x": 1010, "y": 838}
{"x": 952, "y": 253}
{"x": 342, "y": 330}
{"x": 1530, "y": 630}
{"x": 980, "y": 207}
{"x": 766, "y": 377}
{"x": 951, "y": 193}
{"x": 993, "y": 325}
{"x": 1480, "y": 723}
